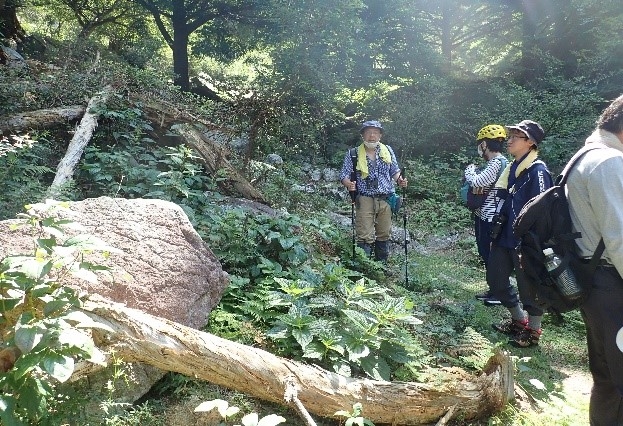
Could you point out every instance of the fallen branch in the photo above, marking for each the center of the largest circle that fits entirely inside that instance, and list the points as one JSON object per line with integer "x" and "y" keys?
{"x": 40, "y": 119}
{"x": 447, "y": 417}
{"x": 66, "y": 167}
{"x": 139, "y": 337}
{"x": 214, "y": 158}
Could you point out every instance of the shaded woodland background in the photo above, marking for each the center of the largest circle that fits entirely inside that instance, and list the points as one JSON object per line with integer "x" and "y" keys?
{"x": 301, "y": 75}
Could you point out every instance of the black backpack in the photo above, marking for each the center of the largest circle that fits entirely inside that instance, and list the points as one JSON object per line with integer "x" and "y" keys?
{"x": 545, "y": 222}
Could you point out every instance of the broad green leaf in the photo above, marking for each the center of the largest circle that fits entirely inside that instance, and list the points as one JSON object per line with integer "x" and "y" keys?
{"x": 279, "y": 331}
{"x": 360, "y": 321}
{"x": 357, "y": 351}
{"x": 54, "y": 306}
{"x": 357, "y": 408}
{"x": 303, "y": 336}
{"x": 86, "y": 275}
{"x": 8, "y": 304}
{"x": 33, "y": 397}
{"x": 7, "y": 411}
{"x": 222, "y": 406}
{"x": 376, "y": 367}
{"x": 250, "y": 419}
{"x": 271, "y": 420}
{"x": 41, "y": 290}
{"x": 27, "y": 337}
{"x": 97, "y": 357}
{"x": 75, "y": 338}
{"x": 354, "y": 421}
{"x": 93, "y": 267}
{"x": 46, "y": 244}
{"x": 90, "y": 242}
{"x": 395, "y": 352}
{"x": 60, "y": 367}
{"x": 315, "y": 350}
{"x": 287, "y": 243}
{"x": 33, "y": 268}
{"x": 342, "y": 368}
{"x": 231, "y": 411}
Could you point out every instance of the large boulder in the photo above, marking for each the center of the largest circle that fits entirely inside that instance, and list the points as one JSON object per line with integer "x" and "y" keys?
{"x": 164, "y": 267}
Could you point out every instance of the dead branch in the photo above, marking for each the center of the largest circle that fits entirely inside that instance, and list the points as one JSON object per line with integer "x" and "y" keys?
{"x": 139, "y": 337}
{"x": 40, "y": 119}
{"x": 66, "y": 167}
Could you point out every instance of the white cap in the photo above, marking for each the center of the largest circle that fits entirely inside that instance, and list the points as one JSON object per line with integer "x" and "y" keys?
{"x": 548, "y": 251}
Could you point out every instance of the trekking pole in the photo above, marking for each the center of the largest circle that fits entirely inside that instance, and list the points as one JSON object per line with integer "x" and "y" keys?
{"x": 404, "y": 225}
{"x": 353, "y": 196}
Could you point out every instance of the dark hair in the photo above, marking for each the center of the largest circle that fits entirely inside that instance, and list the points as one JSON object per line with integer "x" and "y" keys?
{"x": 611, "y": 119}
{"x": 494, "y": 145}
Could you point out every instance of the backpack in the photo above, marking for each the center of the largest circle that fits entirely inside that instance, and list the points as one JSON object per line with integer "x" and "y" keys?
{"x": 545, "y": 222}
{"x": 474, "y": 197}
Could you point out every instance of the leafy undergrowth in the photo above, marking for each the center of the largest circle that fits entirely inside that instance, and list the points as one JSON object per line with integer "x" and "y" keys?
{"x": 552, "y": 381}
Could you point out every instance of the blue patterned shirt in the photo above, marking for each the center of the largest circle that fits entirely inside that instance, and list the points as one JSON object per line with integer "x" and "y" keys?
{"x": 379, "y": 180}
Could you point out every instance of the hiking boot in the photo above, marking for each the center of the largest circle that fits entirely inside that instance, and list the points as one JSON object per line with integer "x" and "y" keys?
{"x": 381, "y": 251}
{"x": 483, "y": 296}
{"x": 491, "y": 301}
{"x": 526, "y": 338}
{"x": 511, "y": 327}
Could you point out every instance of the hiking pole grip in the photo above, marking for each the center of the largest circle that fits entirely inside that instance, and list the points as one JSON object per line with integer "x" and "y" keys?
{"x": 353, "y": 194}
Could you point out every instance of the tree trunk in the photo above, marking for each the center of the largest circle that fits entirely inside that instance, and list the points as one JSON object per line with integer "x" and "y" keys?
{"x": 66, "y": 167}
{"x": 40, "y": 119}
{"x": 214, "y": 159}
{"x": 10, "y": 27}
{"x": 180, "y": 46}
{"x": 139, "y": 337}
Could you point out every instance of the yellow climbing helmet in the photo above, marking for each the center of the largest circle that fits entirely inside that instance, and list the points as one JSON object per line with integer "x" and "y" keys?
{"x": 491, "y": 131}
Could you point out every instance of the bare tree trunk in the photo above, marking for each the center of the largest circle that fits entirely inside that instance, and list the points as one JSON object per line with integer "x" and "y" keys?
{"x": 214, "y": 159}
{"x": 40, "y": 119}
{"x": 66, "y": 167}
{"x": 139, "y": 337}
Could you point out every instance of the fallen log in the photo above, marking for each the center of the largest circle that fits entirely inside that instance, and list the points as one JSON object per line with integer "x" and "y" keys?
{"x": 215, "y": 160}
{"x": 66, "y": 167}
{"x": 139, "y": 337}
{"x": 40, "y": 119}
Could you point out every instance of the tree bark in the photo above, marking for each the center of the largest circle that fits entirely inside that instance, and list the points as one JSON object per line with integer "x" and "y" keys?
{"x": 139, "y": 337}
{"x": 10, "y": 28}
{"x": 214, "y": 159}
{"x": 40, "y": 119}
{"x": 66, "y": 167}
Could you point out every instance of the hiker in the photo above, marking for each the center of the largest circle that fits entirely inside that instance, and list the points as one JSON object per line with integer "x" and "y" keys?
{"x": 490, "y": 140}
{"x": 376, "y": 173}
{"x": 524, "y": 178}
{"x": 595, "y": 195}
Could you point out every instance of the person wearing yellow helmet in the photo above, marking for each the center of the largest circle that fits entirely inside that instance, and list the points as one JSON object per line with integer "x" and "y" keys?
{"x": 490, "y": 140}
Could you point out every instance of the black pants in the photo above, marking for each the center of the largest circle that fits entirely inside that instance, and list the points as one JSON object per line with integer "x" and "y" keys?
{"x": 502, "y": 262}
{"x": 483, "y": 240}
{"x": 603, "y": 317}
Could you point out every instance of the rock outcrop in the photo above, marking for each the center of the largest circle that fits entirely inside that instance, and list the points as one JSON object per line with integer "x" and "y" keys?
{"x": 165, "y": 268}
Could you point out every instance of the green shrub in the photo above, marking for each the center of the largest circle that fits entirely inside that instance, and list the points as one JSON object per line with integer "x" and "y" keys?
{"x": 42, "y": 321}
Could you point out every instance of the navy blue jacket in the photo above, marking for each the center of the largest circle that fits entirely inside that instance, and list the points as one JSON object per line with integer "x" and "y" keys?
{"x": 530, "y": 183}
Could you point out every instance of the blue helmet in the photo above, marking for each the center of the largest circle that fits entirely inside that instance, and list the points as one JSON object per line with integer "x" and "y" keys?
{"x": 372, "y": 123}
